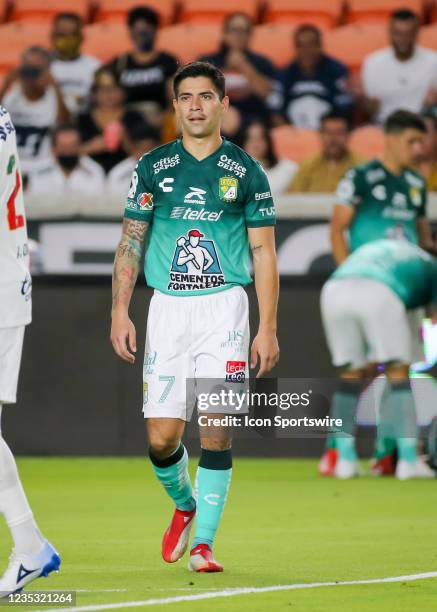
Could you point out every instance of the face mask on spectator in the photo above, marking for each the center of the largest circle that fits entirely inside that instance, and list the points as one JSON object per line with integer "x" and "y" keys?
{"x": 67, "y": 45}
{"x": 144, "y": 39}
{"x": 68, "y": 161}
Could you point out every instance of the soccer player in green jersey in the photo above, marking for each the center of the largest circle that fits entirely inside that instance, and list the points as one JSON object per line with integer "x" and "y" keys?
{"x": 364, "y": 310}
{"x": 202, "y": 202}
{"x": 382, "y": 199}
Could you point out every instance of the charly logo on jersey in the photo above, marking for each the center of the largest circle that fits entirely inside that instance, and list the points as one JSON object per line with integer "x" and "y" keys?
{"x": 145, "y": 201}
{"x": 166, "y": 162}
{"x": 228, "y": 188}
{"x": 229, "y": 164}
{"x": 166, "y": 184}
{"x": 196, "y": 195}
{"x": 379, "y": 192}
{"x": 195, "y": 264}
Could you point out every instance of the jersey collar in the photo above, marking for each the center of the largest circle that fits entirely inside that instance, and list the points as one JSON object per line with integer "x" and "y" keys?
{"x": 186, "y": 155}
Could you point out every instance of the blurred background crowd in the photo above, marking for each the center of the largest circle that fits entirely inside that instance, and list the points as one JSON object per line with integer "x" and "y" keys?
{"x": 88, "y": 84}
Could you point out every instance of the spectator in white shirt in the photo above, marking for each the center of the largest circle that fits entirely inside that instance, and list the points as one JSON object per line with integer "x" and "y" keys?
{"x": 71, "y": 173}
{"x": 402, "y": 75}
{"x": 256, "y": 140}
{"x": 36, "y": 105}
{"x": 73, "y": 71}
{"x": 139, "y": 137}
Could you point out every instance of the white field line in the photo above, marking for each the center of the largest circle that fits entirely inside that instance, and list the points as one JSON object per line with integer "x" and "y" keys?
{"x": 238, "y": 591}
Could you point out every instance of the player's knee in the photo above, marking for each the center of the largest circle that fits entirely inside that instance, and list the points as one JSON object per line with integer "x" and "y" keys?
{"x": 216, "y": 444}
{"x": 162, "y": 446}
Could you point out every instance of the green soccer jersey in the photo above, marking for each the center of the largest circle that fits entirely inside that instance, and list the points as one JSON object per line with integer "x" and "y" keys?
{"x": 386, "y": 205}
{"x": 199, "y": 213}
{"x": 405, "y": 268}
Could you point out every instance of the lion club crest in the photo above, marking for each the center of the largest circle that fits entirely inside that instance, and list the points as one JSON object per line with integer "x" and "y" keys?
{"x": 228, "y": 188}
{"x": 145, "y": 201}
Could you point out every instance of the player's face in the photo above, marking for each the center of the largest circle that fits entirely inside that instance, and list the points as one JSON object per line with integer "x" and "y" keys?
{"x": 407, "y": 146}
{"x": 198, "y": 107}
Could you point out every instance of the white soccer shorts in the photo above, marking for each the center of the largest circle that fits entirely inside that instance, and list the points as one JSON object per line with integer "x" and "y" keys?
{"x": 11, "y": 347}
{"x": 364, "y": 322}
{"x": 192, "y": 343}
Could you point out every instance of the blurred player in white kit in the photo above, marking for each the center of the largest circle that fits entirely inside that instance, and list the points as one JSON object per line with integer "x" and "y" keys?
{"x": 32, "y": 555}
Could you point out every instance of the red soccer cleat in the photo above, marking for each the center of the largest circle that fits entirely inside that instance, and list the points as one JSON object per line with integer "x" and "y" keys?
{"x": 328, "y": 462}
{"x": 201, "y": 560}
{"x": 175, "y": 540}
{"x": 386, "y": 466}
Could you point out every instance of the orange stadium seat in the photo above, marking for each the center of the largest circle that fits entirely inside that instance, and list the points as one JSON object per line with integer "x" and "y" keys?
{"x": 367, "y": 141}
{"x": 378, "y": 11}
{"x": 44, "y": 10}
{"x": 115, "y": 10}
{"x": 351, "y": 43}
{"x": 281, "y": 52}
{"x": 428, "y": 36}
{"x": 106, "y": 40}
{"x": 189, "y": 40}
{"x": 16, "y": 37}
{"x": 296, "y": 144}
{"x": 214, "y": 11}
{"x": 4, "y": 6}
{"x": 323, "y": 13}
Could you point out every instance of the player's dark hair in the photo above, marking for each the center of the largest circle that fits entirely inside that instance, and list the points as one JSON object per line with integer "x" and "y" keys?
{"x": 402, "y": 120}
{"x": 404, "y": 14}
{"x": 335, "y": 116}
{"x": 200, "y": 69}
{"x": 71, "y": 16}
{"x": 232, "y": 16}
{"x": 308, "y": 27}
{"x": 243, "y": 134}
{"x": 142, "y": 13}
{"x": 63, "y": 127}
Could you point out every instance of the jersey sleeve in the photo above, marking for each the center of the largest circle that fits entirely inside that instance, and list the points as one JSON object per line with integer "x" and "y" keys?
{"x": 421, "y": 211}
{"x": 259, "y": 208}
{"x": 139, "y": 203}
{"x": 350, "y": 190}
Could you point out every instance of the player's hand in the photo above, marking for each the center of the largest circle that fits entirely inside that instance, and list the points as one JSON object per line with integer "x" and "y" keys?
{"x": 123, "y": 336}
{"x": 265, "y": 349}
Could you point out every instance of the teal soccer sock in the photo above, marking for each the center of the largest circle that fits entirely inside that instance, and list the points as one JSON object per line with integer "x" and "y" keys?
{"x": 398, "y": 420}
{"x": 172, "y": 473}
{"x": 212, "y": 484}
{"x": 344, "y": 406}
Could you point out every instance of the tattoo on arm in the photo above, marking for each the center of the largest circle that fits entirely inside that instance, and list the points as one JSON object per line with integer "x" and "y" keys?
{"x": 127, "y": 261}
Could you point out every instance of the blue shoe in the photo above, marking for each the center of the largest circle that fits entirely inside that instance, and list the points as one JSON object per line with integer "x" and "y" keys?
{"x": 22, "y": 569}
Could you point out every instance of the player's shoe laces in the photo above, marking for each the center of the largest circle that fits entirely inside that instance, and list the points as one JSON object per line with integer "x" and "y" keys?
{"x": 175, "y": 540}
{"x": 201, "y": 560}
{"x": 327, "y": 462}
{"x": 22, "y": 569}
{"x": 345, "y": 469}
{"x": 406, "y": 470}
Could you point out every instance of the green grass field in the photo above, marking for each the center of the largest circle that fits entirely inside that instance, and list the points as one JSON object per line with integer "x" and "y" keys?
{"x": 282, "y": 525}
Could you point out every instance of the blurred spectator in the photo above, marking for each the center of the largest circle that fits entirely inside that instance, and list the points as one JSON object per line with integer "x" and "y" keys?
{"x": 255, "y": 139}
{"x": 36, "y": 105}
{"x": 73, "y": 71}
{"x": 314, "y": 84}
{"x": 138, "y": 138}
{"x": 146, "y": 73}
{"x": 323, "y": 172}
{"x": 404, "y": 74}
{"x": 248, "y": 75}
{"x": 101, "y": 129}
{"x": 71, "y": 173}
{"x": 427, "y": 162}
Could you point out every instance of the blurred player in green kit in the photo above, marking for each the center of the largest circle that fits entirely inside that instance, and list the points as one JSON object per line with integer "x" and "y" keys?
{"x": 203, "y": 203}
{"x": 381, "y": 199}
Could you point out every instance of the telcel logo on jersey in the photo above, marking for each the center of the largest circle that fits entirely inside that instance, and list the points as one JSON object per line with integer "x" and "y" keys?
{"x": 235, "y": 371}
{"x": 229, "y": 164}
